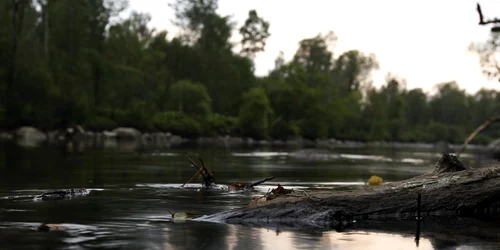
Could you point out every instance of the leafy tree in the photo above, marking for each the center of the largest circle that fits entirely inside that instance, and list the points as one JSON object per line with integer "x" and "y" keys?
{"x": 314, "y": 53}
{"x": 254, "y": 34}
{"x": 192, "y": 15}
{"x": 352, "y": 69}
{"x": 254, "y": 113}
{"x": 450, "y": 104}
{"x": 66, "y": 62}
{"x": 190, "y": 98}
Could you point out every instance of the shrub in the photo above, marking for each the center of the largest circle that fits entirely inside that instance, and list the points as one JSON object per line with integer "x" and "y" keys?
{"x": 190, "y": 98}
{"x": 177, "y": 123}
{"x": 100, "y": 123}
{"x": 217, "y": 124}
{"x": 284, "y": 130}
{"x": 253, "y": 115}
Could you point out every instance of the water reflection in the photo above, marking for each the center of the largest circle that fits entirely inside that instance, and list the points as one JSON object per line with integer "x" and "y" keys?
{"x": 133, "y": 187}
{"x": 235, "y": 237}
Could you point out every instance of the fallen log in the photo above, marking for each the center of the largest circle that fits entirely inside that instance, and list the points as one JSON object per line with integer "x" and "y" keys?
{"x": 450, "y": 189}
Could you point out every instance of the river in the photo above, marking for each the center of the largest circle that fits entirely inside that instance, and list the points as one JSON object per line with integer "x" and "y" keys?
{"x": 132, "y": 190}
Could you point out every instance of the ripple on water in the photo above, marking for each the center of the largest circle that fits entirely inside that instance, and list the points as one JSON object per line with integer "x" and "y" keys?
{"x": 260, "y": 154}
{"x": 357, "y": 157}
{"x": 163, "y": 154}
{"x": 17, "y": 210}
{"x": 178, "y": 186}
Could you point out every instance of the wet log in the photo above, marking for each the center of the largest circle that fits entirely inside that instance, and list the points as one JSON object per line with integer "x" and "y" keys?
{"x": 449, "y": 163}
{"x": 451, "y": 189}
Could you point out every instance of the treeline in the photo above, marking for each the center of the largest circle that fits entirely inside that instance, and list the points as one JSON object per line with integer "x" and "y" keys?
{"x": 65, "y": 62}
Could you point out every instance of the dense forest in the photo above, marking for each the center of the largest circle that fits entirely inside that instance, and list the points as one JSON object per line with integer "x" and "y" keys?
{"x": 66, "y": 62}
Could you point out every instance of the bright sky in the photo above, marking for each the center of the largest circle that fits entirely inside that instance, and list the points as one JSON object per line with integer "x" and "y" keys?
{"x": 426, "y": 42}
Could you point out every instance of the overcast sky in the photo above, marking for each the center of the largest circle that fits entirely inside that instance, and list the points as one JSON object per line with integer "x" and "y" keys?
{"x": 426, "y": 42}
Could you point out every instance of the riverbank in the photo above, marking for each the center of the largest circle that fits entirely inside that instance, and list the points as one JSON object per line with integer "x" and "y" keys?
{"x": 77, "y": 135}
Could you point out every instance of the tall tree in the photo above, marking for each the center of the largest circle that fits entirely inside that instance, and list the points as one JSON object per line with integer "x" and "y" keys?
{"x": 314, "y": 53}
{"x": 254, "y": 34}
{"x": 16, "y": 10}
{"x": 352, "y": 69}
{"x": 192, "y": 15}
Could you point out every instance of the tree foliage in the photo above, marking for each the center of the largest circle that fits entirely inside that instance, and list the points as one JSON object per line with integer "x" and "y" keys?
{"x": 65, "y": 62}
{"x": 254, "y": 34}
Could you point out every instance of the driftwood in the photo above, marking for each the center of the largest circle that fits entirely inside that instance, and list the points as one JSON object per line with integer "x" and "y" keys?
{"x": 446, "y": 190}
{"x": 208, "y": 177}
{"x": 241, "y": 186}
{"x": 259, "y": 182}
{"x": 449, "y": 163}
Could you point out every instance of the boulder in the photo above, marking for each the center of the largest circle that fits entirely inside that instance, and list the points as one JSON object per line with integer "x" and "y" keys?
{"x": 5, "y": 136}
{"x": 123, "y": 133}
{"x": 108, "y": 134}
{"x": 30, "y": 136}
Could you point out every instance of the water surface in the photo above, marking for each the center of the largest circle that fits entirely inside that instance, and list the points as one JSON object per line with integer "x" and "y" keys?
{"x": 133, "y": 190}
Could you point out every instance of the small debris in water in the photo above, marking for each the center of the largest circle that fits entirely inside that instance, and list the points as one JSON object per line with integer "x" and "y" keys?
{"x": 375, "y": 180}
{"x": 51, "y": 227}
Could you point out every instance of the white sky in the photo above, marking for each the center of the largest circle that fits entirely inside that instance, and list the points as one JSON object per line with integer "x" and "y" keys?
{"x": 426, "y": 42}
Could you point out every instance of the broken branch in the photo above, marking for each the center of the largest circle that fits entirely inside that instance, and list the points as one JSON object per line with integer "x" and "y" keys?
{"x": 192, "y": 162}
{"x": 478, "y": 129}
{"x": 194, "y": 176}
{"x": 260, "y": 182}
{"x": 481, "y": 17}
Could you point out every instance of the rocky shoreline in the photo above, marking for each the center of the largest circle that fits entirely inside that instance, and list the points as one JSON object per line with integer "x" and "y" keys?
{"x": 31, "y": 137}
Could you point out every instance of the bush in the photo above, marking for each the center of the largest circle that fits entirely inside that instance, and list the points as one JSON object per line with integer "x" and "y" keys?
{"x": 177, "y": 123}
{"x": 314, "y": 129}
{"x": 284, "y": 130}
{"x": 253, "y": 116}
{"x": 138, "y": 115}
{"x": 100, "y": 123}
{"x": 190, "y": 98}
{"x": 218, "y": 124}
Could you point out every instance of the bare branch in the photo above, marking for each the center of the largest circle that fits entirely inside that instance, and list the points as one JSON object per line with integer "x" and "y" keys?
{"x": 478, "y": 129}
{"x": 481, "y": 17}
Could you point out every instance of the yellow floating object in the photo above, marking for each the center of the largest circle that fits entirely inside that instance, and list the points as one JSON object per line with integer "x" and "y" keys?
{"x": 375, "y": 180}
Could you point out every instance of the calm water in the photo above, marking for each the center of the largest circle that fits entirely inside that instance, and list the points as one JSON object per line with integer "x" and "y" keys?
{"x": 133, "y": 189}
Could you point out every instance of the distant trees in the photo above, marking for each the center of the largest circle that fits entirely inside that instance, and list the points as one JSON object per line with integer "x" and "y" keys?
{"x": 254, "y": 34}
{"x": 65, "y": 62}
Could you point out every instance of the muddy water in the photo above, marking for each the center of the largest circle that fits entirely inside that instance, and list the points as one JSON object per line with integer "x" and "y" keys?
{"x": 132, "y": 190}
